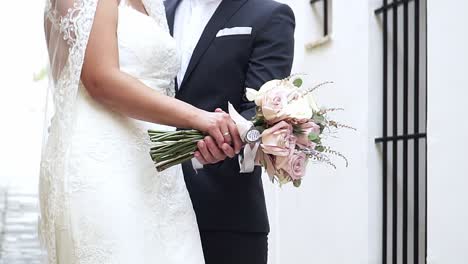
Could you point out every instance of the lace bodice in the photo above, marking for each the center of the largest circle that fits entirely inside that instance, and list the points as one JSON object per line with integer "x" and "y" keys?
{"x": 151, "y": 57}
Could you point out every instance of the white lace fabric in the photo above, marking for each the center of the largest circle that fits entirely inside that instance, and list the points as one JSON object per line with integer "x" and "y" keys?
{"x": 102, "y": 201}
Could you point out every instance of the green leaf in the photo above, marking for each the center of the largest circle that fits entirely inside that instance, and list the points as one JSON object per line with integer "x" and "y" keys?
{"x": 297, "y": 183}
{"x": 319, "y": 119}
{"x": 298, "y": 82}
{"x": 313, "y": 136}
{"x": 320, "y": 148}
{"x": 322, "y": 128}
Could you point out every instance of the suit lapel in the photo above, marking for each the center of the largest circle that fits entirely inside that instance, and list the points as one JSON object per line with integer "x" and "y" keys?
{"x": 171, "y": 7}
{"x": 225, "y": 11}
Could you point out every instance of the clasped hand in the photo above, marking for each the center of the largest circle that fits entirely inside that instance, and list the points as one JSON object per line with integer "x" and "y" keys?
{"x": 223, "y": 139}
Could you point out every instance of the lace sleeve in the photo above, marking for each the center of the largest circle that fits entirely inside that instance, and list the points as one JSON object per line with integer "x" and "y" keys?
{"x": 68, "y": 24}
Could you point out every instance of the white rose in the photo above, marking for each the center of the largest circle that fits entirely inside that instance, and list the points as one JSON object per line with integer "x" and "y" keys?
{"x": 257, "y": 96}
{"x": 299, "y": 109}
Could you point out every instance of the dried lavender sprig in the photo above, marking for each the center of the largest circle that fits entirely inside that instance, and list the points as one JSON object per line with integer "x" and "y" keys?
{"x": 335, "y": 124}
{"x": 325, "y": 159}
{"x": 304, "y": 91}
{"x": 328, "y": 110}
{"x": 336, "y": 153}
{"x": 318, "y": 156}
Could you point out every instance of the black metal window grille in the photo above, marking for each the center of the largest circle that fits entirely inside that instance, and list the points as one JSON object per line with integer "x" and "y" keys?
{"x": 326, "y": 15}
{"x": 403, "y": 142}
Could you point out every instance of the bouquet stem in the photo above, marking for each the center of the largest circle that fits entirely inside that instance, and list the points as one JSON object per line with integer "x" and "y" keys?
{"x": 173, "y": 147}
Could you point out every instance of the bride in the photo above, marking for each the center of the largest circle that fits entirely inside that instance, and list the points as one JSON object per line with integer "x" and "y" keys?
{"x": 113, "y": 65}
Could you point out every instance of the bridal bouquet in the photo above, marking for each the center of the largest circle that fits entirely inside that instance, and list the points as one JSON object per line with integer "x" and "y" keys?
{"x": 285, "y": 134}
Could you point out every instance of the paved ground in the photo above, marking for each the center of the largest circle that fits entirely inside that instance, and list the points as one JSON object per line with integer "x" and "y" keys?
{"x": 18, "y": 227}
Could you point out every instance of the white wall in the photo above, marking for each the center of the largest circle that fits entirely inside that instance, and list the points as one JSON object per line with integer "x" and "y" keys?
{"x": 447, "y": 131}
{"x": 22, "y": 54}
{"x": 327, "y": 220}
{"x": 374, "y": 124}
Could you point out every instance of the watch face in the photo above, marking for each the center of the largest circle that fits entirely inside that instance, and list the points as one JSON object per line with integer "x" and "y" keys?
{"x": 253, "y": 136}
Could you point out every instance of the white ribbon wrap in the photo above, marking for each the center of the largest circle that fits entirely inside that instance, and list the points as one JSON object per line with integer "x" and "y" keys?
{"x": 243, "y": 125}
{"x": 247, "y": 161}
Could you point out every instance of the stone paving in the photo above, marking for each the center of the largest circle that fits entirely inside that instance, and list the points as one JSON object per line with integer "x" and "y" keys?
{"x": 19, "y": 242}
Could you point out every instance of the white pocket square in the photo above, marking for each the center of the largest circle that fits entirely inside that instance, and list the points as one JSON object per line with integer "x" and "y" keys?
{"x": 234, "y": 31}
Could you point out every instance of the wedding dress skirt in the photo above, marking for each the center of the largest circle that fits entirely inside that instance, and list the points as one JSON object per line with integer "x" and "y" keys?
{"x": 115, "y": 207}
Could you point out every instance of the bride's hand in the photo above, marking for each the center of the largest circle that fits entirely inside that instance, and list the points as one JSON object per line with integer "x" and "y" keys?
{"x": 220, "y": 126}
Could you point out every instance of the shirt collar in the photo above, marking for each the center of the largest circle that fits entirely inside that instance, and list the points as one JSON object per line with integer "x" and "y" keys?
{"x": 205, "y": 2}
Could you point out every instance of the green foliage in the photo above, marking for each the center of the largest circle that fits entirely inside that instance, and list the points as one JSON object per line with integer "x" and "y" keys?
{"x": 319, "y": 119}
{"x": 320, "y": 148}
{"x": 298, "y": 82}
{"x": 297, "y": 130}
{"x": 297, "y": 183}
{"x": 313, "y": 137}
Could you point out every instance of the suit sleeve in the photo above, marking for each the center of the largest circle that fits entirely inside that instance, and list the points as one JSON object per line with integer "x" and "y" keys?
{"x": 272, "y": 54}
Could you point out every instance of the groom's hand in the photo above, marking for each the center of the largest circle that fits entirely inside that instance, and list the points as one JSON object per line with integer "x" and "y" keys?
{"x": 209, "y": 151}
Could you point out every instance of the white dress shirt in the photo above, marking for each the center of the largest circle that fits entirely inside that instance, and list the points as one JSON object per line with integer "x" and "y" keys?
{"x": 191, "y": 18}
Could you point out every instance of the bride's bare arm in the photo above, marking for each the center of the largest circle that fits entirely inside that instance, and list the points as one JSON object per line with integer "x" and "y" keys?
{"x": 105, "y": 82}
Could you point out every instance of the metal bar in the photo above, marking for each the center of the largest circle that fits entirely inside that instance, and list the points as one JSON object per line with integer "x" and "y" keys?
{"x": 395, "y": 133}
{"x": 425, "y": 130}
{"x": 405, "y": 131}
{"x": 385, "y": 7}
{"x": 385, "y": 145}
{"x": 416, "y": 131}
{"x": 325, "y": 17}
{"x": 401, "y": 137}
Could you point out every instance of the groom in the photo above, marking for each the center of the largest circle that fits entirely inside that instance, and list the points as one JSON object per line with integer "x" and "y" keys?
{"x": 226, "y": 46}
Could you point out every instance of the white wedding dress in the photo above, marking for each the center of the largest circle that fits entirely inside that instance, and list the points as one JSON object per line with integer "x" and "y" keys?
{"x": 109, "y": 205}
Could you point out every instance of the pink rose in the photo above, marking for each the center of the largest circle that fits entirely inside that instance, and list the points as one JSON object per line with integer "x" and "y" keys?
{"x": 303, "y": 138}
{"x": 273, "y": 103}
{"x": 295, "y": 165}
{"x": 279, "y": 140}
{"x": 267, "y": 161}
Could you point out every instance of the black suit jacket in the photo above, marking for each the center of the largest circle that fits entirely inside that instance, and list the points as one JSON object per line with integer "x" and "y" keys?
{"x": 219, "y": 71}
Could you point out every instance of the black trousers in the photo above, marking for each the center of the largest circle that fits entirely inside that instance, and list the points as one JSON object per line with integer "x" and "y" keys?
{"x": 234, "y": 247}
